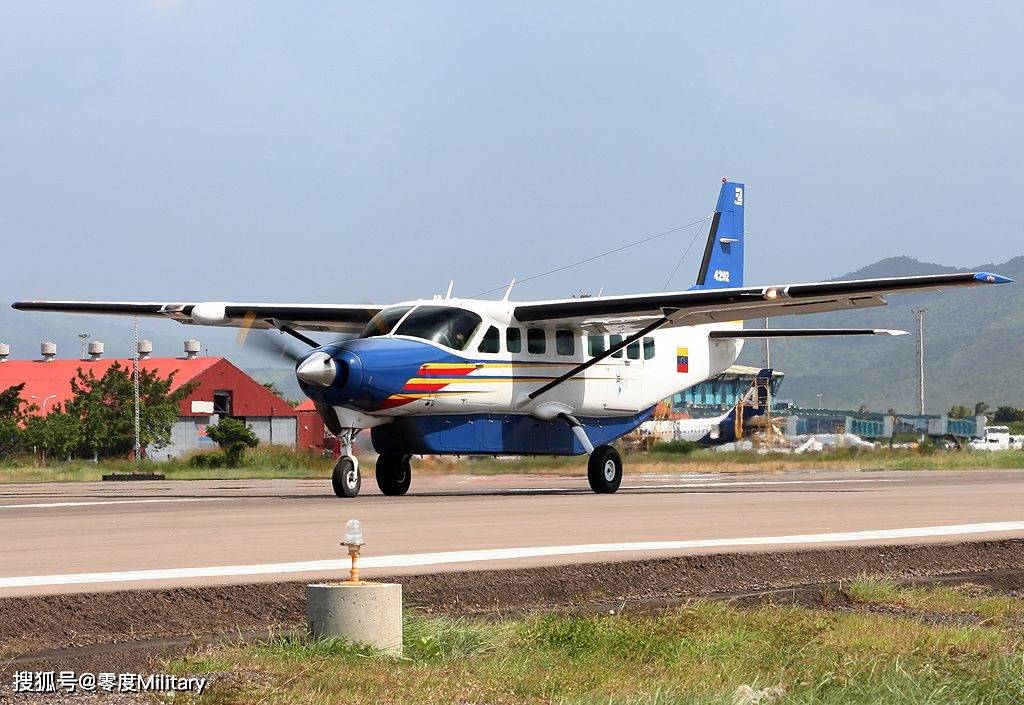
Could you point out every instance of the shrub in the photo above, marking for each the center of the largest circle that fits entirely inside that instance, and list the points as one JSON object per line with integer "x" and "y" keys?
{"x": 233, "y": 436}
{"x": 208, "y": 460}
{"x": 682, "y": 447}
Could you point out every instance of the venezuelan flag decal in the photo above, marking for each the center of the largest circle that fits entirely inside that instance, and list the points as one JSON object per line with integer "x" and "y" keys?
{"x": 682, "y": 359}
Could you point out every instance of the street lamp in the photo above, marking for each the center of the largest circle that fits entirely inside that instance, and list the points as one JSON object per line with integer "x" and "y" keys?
{"x": 42, "y": 407}
{"x": 819, "y": 399}
{"x": 83, "y": 337}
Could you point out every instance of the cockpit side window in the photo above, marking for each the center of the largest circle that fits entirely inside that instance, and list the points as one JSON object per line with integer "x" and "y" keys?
{"x": 491, "y": 342}
{"x": 384, "y": 321}
{"x": 452, "y": 327}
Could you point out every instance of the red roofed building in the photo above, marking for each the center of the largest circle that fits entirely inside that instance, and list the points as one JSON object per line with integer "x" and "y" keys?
{"x": 312, "y": 434}
{"x": 221, "y": 390}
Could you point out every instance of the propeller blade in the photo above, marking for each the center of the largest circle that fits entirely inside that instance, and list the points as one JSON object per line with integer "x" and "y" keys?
{"x": 274, "y": 345}
{"x": 243, "y": 330}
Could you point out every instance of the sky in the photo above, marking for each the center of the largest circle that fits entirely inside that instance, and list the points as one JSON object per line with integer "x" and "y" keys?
{"x": 370, "y": 152}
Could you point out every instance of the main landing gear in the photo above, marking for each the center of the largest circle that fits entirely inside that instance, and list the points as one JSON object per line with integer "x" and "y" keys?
{"x": 604, "y": 470}
{"x": 394, "y": 474}
{"x": 604, "y": 467}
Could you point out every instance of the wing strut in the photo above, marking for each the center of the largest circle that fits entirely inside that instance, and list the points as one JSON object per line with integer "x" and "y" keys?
{"x": 284, "y": 328}
{"x": 665, "y": 318}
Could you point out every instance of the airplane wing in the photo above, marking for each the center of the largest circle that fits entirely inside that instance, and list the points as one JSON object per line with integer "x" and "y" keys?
{"x": 761, "y": 333}
{"x": 338, "y": 318}
{"x": 686, "y": 308}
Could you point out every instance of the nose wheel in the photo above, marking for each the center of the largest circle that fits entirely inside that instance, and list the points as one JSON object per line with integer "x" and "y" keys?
{"x": 346, "y": 479}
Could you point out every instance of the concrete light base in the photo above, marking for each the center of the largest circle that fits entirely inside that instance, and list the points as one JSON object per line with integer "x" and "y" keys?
{"x": 363, "y": 613}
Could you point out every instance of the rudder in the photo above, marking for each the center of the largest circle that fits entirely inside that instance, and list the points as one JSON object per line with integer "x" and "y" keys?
{"x": 722, "y": 265}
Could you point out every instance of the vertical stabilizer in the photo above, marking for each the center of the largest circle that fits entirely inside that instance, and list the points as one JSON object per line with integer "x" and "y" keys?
{"x": 722, "y": 265}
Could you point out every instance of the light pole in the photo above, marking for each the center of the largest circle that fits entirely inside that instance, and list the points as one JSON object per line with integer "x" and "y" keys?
{"x": 83, "y": 337}
{"x": 919, "y": 314}
{"x": 137, "y": 447}
{"x": 819, "y": 399}
{"x": 767, "y": 348}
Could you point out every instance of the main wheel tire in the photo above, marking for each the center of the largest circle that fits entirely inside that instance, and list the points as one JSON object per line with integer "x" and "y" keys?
{"x": 346, "y": 478}
{"x": 604, "y": 470}
{"x": 394, "y": 474}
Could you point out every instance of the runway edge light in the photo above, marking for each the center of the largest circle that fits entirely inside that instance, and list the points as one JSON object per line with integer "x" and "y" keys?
{"x": 360, "y": 612}
{"x": 354, "y": 544}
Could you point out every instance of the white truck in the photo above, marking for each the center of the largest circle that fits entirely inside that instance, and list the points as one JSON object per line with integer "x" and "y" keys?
{"x": 998, "y": 438}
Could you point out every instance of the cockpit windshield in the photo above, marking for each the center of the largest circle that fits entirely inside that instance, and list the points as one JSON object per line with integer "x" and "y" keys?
{"x": 452, "y": 327}
{"x": 384, "y": 321}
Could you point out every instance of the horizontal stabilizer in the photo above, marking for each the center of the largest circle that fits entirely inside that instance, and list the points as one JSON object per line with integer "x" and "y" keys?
{"x": 751, "y": 333}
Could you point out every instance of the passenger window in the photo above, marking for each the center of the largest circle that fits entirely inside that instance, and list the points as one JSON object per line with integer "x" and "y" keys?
{"x": 633, "y": 351}
{"x": 513, "y": 340}
{"x": 595, "y": 345}
{"x": 648, "y": 348}
{"x": 565, "y": 342}
{"x": 612, "y": 342}
{"x": 536, "y": 342}
{"x": 491, "y": 342}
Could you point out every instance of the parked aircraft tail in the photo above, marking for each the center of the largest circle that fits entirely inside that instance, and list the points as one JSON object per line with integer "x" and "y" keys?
{"x": 751, "y": 404}
{"x": 755, "y": 402}
{"x": 722, "y": 265}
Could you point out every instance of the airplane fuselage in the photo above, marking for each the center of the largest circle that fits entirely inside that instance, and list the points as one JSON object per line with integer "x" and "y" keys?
{"x": 421, "y": 396}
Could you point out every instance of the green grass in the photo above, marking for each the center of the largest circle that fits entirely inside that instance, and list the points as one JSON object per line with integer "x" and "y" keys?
{"x": 263, "y": 462}
{"x": 266, "y": 462}
{"x": 699, "y": 653}
{"x": 961, "y": 599}
{"x": 738, "y": 461}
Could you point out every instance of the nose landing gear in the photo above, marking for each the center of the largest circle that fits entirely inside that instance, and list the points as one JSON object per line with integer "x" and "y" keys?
{"x": 346, "y": 478}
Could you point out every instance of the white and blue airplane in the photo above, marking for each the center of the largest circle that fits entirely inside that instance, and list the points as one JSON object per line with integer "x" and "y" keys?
{"x": 560, "y": 377}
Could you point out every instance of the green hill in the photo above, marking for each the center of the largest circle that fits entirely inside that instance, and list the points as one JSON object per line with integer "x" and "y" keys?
{"x": 974, "y": 346}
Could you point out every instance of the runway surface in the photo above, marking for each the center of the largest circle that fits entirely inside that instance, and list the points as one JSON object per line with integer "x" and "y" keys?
{"x": 81, "y": 537}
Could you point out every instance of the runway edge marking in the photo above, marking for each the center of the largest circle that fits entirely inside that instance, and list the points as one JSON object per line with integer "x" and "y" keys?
{"x": 499, "y": 554}
{"x": 98, "y": 502}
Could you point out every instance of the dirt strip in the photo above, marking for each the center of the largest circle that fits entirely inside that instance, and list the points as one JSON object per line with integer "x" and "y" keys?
{"x": 131, "y": 628}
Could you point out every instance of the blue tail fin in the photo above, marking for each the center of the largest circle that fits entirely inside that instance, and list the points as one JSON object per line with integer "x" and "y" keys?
{"x": 722, "y": 266}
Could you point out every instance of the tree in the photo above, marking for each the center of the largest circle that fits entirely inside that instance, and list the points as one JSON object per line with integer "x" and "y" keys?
{"x": 959, "y": 412}
{"x": 1008, "y": 414}
{"x": 13, "y": 413}
{"x": 233, "y": 436}
{"x": 105, "y": 408}
{"x": 58, "y": 434}
{"x": 981, "y": 408}
{"x": 276, "y": 391}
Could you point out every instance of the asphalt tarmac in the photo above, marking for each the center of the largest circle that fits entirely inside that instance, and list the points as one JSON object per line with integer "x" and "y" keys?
{"x": 87, "y": 537}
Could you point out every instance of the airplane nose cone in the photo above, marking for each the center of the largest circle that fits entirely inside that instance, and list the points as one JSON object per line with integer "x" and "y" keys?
{"x": 318, "y": 368}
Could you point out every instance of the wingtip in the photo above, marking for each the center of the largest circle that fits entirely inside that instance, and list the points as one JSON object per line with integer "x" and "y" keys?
{"x": 890, "y": 331}
{"x": 990, "y": 278}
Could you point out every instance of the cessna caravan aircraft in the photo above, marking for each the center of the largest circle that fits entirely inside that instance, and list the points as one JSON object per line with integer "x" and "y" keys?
{"x": 560, "y": 377}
